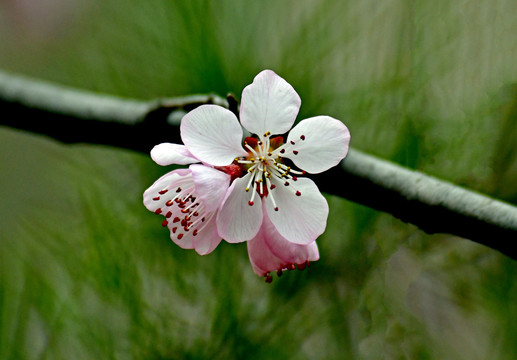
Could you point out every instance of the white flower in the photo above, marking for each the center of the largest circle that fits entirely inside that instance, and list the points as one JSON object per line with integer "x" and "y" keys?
{"x": 269, "y": 107}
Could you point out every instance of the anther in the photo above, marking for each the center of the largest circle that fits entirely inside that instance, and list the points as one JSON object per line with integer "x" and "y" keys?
{"x": 276, "y": 208}
{"x": 292, "y": 142}
{"x": 176, "y": 219}
{"x": 174, "y": 229}
{"x": 250, "y": 203}
{"x": 279, "y": 272}
{"x": 295, "y": 152}
{"x": 194, "y": 233}
{"x": 272, "y": 186}
{"x": 269, "y": 278}
{"x": 163, "y": 191}
{"x": 295, "y": 178}
{"x": 168, "y": 215}
{"x": 298, "y": 193}
{"x": 286, "y": 183}
{"x": 180, "y": 236}
{"x": 164, "y": 223}
{"x": 282, "y": 151}
{"x": 178, "y": 190}
{"x": 156, "y": 198}
{"x": 169, "y": 203}
{"x": 158, "y": 211}
{"x": 302, "y": 137}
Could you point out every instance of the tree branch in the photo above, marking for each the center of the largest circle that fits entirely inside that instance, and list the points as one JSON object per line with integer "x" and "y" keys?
{"x": 74, "y": 116}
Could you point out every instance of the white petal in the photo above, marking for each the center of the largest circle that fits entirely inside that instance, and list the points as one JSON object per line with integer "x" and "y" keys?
{"x": 168, "y": 154}
{"x": 269, "y": 104}
{"x": 325, "y": 143}
{"x": 237, "y": 221}
{"x": 300, "y": 219}
{"x": 211, "y": 185}
{"x": 212, "y": 134}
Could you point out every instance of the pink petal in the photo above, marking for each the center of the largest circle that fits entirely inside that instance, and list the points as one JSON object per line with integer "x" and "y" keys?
{"x": 237, "y": 221}
{"x": 198, "y": 232}
{"x": 269, "y": 104}
{"x": 320, "y": 143}
{"x": 212, "y": 134}
{"x": 211, "y": 185}
{"x": 170, "y": 181}
{"x": 168, "y": 154}
{"x": 269, "y": 251}
{"x": 300, "y": 219}
{"x": 207, "y": 238}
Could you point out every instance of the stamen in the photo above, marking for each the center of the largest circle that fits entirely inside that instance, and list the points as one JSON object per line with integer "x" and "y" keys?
{"x": 269, "y": 278}
{"x": 273, "y": 200}
{"x": 253, "y": 194}
{"x": 249, "y": 183}
{"x": 252, "y": 150}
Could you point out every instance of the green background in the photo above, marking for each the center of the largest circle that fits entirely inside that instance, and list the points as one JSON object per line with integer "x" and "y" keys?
{"x": 86, "y": 272}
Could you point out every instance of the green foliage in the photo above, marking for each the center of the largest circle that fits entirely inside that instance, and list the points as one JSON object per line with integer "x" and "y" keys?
{"x": 87, "y": 272}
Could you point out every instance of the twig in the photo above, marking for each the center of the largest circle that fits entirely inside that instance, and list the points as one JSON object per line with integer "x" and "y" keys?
{"x": 435, "y": 206}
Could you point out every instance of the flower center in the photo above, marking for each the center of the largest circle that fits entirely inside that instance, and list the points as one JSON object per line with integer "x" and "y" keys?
{"x": 267, "y": 167}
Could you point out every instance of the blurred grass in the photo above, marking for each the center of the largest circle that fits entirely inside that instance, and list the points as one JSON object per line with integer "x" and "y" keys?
{"x": 87, "y": 272}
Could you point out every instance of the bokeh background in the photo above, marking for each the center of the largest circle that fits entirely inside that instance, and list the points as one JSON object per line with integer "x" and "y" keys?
{"x": 86, "y": 272}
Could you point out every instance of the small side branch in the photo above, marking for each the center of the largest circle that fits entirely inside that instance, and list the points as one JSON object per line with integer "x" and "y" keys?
{"x": 74, "y": 116}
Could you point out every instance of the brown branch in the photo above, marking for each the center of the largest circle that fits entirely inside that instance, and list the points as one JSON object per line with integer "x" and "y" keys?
{"x": 74, "y": 116}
